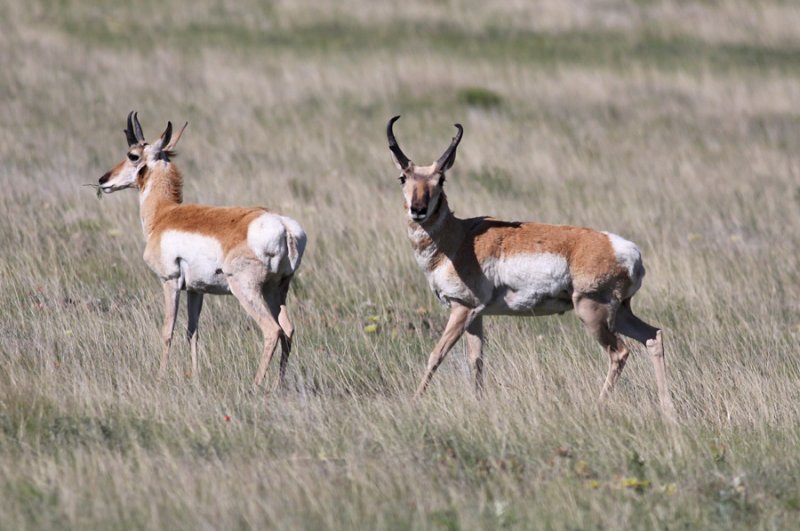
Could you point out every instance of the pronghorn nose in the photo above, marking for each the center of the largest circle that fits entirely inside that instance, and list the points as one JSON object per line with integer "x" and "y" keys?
{"x": 106, "y": 176}
{"x": 418, "y": 210}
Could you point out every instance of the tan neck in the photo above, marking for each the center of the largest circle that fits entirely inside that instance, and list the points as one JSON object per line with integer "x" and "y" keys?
{"x": 163, "y": 188}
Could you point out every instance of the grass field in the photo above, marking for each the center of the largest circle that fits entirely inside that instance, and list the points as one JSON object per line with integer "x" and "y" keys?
{"x": 675, "y": 124}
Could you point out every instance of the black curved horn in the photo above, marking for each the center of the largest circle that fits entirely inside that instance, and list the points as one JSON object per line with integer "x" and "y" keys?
{"x": 449, "y": 156}
{"x": 129, "y": 134}
{"x": 137, "y": 128}
{"x": 398, "y": 153}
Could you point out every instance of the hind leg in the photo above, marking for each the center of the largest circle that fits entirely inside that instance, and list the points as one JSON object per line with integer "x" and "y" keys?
{"x": 275, "y": 296}
{"x": 247, "y": 288}
{"x": 194, "y": 303}
{"x": 287, "y": 328}
{"x": 630, "y": 325}
{"x": 595, "y": 316}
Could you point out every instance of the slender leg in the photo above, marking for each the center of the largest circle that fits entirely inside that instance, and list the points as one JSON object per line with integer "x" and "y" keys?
{"x": 617, "y": 356}
{"x": 286, "y": 341}
{"x": 172, "y": 297}
{"x": 287, "y": 329}
{"x": 595, "y": 317}
{"x": 633, "y": 327}
{"x": 656, "y": 349}
{"x": 194, "y": 303}
{"x": 475, "y": 352}
{"x": 460, "y": 318}
{"x": 249, "y": 295}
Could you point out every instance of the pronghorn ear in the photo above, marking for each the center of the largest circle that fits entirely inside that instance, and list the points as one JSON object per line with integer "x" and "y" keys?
{"x": 160, "y": 145}
{"x": 171, "y": 145}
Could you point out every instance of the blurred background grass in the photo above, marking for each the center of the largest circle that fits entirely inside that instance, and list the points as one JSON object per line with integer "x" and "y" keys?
{"x": 672, "y": 123}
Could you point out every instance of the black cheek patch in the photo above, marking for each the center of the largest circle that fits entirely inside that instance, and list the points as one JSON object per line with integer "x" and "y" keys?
{"x": 140, "y": 176}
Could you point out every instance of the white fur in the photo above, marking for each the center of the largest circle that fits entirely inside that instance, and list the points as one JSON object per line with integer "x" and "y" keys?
{"x": 446, "y": 285}
{"x": 196, "y": 257}
{"x": 142, "y": 197}
{"x": 418, "y": 234}
{"x": 124, "y": 179}
{"x": 540, "y": 283}
{"x": 266, "y": 237}
{"x": 629, "y": 257}
{"x": 298, "y": 246}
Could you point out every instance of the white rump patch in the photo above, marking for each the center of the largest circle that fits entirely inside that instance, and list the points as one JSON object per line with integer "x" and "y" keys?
{"x": 629, "y": 257}
{"x": 266, "y": 237}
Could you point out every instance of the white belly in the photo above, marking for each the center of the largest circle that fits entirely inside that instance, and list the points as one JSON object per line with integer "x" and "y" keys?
{"x": 197, "y": 258}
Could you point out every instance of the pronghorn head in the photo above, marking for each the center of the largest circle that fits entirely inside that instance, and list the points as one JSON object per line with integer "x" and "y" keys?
{"x": 422, "y": 185}
{"x": 141, "y": 157}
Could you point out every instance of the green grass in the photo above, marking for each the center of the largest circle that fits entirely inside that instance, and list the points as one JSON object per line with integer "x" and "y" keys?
{"x": 548, "y": 49}
{"x": 673, "y": 125}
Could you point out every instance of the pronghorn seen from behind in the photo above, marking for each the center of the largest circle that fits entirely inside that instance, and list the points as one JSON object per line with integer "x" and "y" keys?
{"x": 484, "y": 266}
{"x": 248, "y": 252}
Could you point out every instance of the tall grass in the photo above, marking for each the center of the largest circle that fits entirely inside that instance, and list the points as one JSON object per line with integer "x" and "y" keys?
{"x": 675, "y": 125}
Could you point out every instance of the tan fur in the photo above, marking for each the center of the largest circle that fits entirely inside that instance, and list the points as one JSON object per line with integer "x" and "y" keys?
{"x": 226, "y": 224}
{"x": 164, "y": 211}
{"x": 548, "y": 269}
{"x": 165, "y": 179}
{"x": 259, "y": 252}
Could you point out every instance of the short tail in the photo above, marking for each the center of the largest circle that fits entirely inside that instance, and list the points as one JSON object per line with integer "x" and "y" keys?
{"x": 295, "y": 242}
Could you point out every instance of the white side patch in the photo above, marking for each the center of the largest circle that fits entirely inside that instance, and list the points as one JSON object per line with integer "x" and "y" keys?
{"x": 198, "y": 256}
{"x": 266, "y": 237}
{"x": 629, "y": 257}
{"x": 530, "y": 279}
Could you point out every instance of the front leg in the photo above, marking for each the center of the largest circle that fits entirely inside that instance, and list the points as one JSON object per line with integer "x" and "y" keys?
{"x": 172, "y": 297}
{"x": 460, "y": 318}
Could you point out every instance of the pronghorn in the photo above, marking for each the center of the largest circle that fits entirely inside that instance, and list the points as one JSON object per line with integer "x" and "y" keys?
{"x": 249, "y": 252}
{"x": 484, "y": 266}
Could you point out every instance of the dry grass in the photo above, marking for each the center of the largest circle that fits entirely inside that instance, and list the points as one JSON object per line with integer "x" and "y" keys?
{"x": 674, "y": 124}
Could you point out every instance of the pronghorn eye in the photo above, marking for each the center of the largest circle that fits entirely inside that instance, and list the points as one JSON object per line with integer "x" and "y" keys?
{"x": 133, "y": 157}
{"x": 402, "y": 179}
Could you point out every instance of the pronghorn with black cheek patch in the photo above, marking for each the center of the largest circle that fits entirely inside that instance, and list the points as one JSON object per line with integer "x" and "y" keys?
{"x": 248, "y": 252}
{"x": 484, "y": 266}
